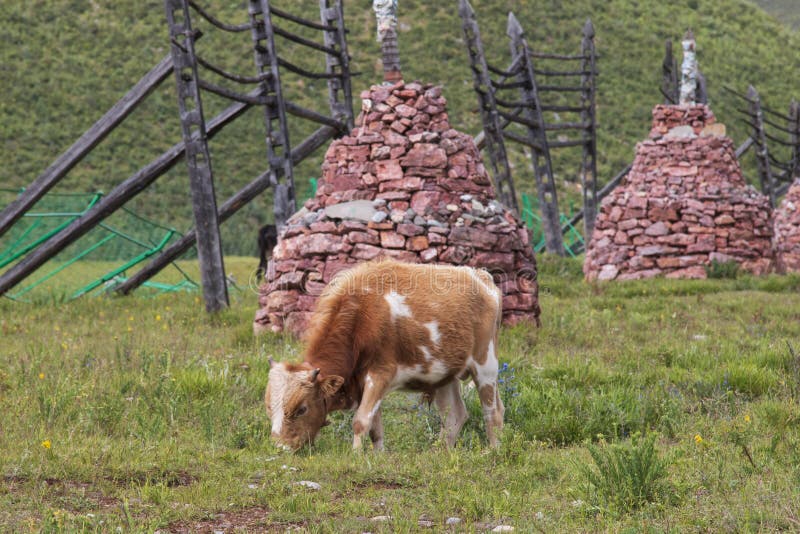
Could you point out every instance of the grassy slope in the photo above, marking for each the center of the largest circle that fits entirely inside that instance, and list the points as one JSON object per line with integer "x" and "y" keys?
{"x": 154, "y": 417}
{"x": 65, "y": 62}
{"x": 787, "y": 11}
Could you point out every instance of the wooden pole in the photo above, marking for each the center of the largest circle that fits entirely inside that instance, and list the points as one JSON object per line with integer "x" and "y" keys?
{"x": 537, "y": 138}
{"x": 492, "y": 128}
{"x": 670, "y": 87}
{"x": 90, "y": 138}
{"x": 340, "y": 93}
{"x": 198, "y": 159}
{"x": 231, "y": 206}
{"x": 589, "y": 116}
{"x": 110, "y": 203}
{"x": 762, "y": 152}
{"x": 277, "y": 135}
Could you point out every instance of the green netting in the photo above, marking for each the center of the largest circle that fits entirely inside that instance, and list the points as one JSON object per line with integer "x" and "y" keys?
{"x": 573, "y": 240}
{"x": 115, "y": 247}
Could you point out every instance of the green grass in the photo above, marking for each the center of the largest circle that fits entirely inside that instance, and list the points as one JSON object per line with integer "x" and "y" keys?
{"x": 153, "y": 413}
{"x": 65, "y": 62}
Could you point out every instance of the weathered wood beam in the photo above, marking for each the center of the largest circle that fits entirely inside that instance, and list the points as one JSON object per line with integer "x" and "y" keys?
{"x": 485, "y": 89}
{"x": 303, "y": 113}
{"x": 589, "y": 117}
{"x": 277, "y": 129}
{"x": 537, "y": 138}
{"x": 231, "y": 206}
{"x": 90, "y": 138}
{"x": 340, "y": 93}
{"x": 762, "y": 151}
{"x": 198, "y": 157}
{"x": 670, "y": 86}
{"x": 110, "y": 203}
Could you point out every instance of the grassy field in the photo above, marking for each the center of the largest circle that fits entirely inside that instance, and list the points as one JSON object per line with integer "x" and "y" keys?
{"x": 660, "y": 406}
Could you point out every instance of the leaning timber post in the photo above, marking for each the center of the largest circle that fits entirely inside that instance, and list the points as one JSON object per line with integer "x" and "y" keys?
{"x": 386, "y": 13}
{"x": 90, "y": 138}
{"x": 492, "y": 129}
{"x": 340, "y": 93}
{"x": 688, "y": 93}
{"x": 277, "y": 138}
{"x": 794, "y": 127}
{"x": 198, "y": 160}
{"x": 537, "y": 138}
{"x": 670, "y": 86}
{"x": 762, "y": 152}
{"x": 589, "y": 117}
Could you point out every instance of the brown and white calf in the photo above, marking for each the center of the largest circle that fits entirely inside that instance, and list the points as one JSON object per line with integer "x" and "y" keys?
{"x": 384, "y": 326}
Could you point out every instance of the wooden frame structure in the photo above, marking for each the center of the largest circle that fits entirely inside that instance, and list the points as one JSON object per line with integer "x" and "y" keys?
{"x": 775, "y": 175}
{"x": 527, "y": 111}
{"x": 188, "y": 66}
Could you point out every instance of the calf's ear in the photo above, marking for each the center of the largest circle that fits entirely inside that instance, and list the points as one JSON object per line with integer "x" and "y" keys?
{"x": 331, "y": 384}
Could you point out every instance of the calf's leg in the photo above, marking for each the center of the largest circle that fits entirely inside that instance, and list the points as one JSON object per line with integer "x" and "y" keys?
{"x": 374, "y": 389}
{"x": 485, "y": 377}
{"x": 451, "y": 405}
{"x": 376, "y": 431}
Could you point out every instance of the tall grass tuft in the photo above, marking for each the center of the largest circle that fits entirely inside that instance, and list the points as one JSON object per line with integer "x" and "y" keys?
{"x": 626, "y": 476}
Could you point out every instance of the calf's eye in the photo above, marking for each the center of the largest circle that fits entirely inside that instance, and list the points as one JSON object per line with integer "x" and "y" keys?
{"x": 301, "y": 411}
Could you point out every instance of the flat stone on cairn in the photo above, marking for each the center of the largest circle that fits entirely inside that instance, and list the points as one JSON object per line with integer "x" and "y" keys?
{"x": 787, "y": 231}
{"x": 683, "y": 205}
{"x": 402, "y": 185}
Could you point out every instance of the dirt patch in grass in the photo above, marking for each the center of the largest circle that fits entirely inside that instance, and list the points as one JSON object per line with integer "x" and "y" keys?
{"x": 244, "y": 520}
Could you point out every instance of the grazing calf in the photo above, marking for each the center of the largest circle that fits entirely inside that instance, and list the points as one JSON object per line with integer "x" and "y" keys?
{"x": 385, "y": 326}
{"x": 267, "y": 239}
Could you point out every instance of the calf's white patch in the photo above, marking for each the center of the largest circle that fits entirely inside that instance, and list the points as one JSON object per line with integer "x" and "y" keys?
{"x": 397, "y": 305}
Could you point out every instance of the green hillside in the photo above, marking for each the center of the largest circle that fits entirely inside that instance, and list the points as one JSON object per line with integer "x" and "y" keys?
{"x": 64, "y": 62}
{"x": 786, "y": 11}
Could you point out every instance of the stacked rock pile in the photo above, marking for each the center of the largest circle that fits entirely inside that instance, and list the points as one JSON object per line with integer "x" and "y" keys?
{"x": 402, "y": 185}
{"x": 787, "y": 231}
{"x": 683, "y": 205}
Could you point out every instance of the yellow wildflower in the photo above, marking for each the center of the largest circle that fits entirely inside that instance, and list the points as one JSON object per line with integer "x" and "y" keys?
{"x": 46, "y": 444}
{"x": 746, "y": 418}
{"x": 698, "y": 439}
{"x": 130, "y": 329}
{"x": 41, "y": 376}
{"x": 158, "y": 317}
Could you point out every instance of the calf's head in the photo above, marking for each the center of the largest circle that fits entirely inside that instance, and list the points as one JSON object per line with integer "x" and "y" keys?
{"x": 297, "y": 400}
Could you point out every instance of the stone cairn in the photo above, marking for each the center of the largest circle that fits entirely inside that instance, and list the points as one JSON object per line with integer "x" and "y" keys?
{"x": 402, "y": 185}
{"x": 683, "y": 205}
{"x": 787, "y": 231}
